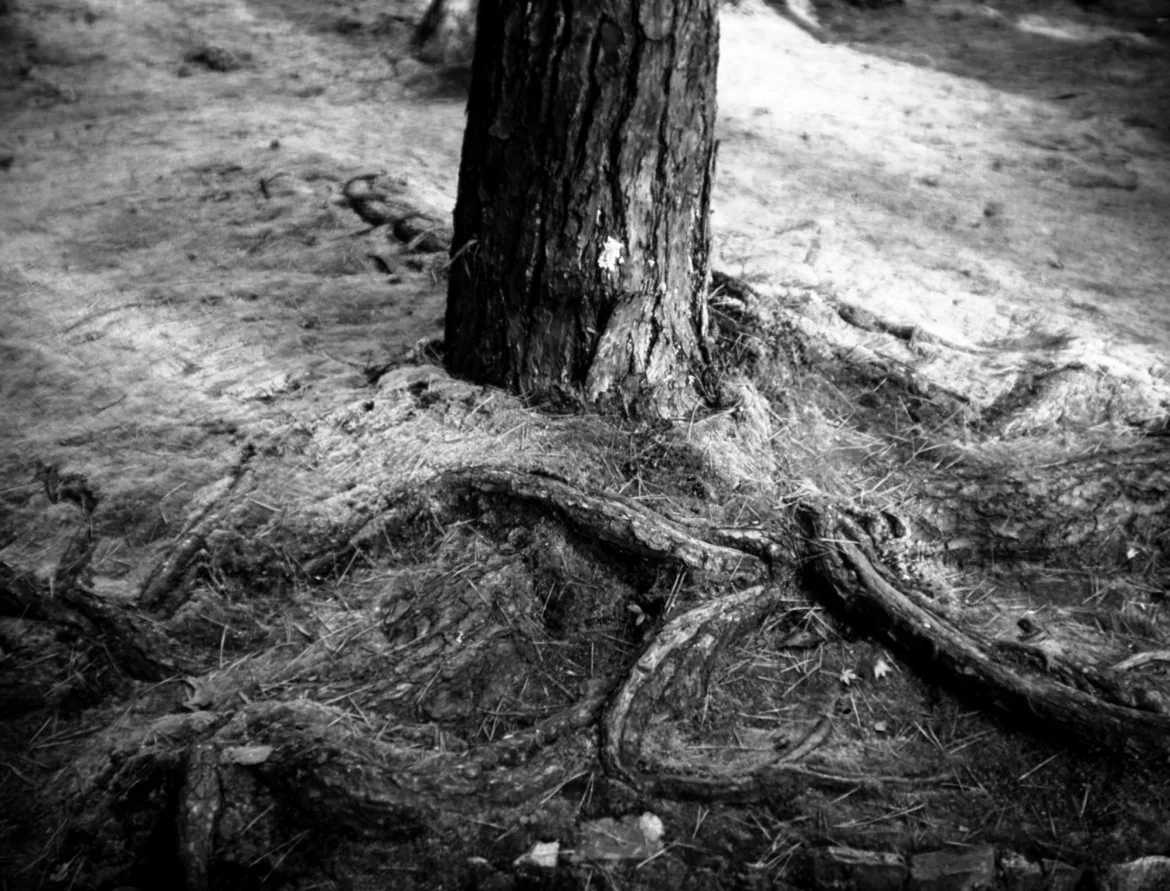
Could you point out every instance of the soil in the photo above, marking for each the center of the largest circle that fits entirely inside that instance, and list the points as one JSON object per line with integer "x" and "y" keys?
{"x": 226, "y": 425}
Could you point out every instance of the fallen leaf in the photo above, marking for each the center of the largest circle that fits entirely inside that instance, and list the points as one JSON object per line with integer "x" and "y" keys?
{"x": 652, "y": 828}
{"x": 247, "y": 754}
{"x": 631, "y": 838}
{"x": 541, "y": 854}
{"x": 202, "y": 694}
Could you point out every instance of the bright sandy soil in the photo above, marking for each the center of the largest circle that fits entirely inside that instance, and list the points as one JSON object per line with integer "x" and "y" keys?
{"x": 1017, "y": 200}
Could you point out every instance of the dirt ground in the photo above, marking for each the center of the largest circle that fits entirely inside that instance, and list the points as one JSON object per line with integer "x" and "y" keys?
{"x": 180, "y": 277}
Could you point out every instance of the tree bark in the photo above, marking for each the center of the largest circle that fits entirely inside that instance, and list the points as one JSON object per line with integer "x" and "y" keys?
{"x": 581, "y": 226}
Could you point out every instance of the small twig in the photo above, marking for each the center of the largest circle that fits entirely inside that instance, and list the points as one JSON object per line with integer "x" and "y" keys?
{"x": 1139, "y": 659}
{"x": 99, "y": 313}
{"x": 819, "y": 733}
{"x": 1024, "y": 776}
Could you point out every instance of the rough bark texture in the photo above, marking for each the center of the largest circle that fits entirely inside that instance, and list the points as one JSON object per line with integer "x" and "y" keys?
{"x": 581, "y": 227}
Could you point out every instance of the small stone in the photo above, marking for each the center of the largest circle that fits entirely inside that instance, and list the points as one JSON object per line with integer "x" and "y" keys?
{"x": 215, "y": 58}
{"x": 850, "y": 869}
{"x": 1021, "y": 874}
{"x": 1143, "y": 874}
{"x": 972, "y": 870}
{"x": 542, "y": 855}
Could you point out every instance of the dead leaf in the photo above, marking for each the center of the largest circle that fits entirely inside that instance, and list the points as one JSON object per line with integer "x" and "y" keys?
{"x": 652, "y": 828}
{"x": 631, "y": 838}
{"x": 247, "y": 754}
{"x": 202, "y": 694}
{"x": 542, "y": 854}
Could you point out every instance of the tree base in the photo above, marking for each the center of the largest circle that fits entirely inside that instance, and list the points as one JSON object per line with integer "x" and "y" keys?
{"x": 442, "y": 611}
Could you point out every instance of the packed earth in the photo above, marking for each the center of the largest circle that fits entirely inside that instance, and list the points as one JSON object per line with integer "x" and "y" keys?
{"x": 285, "y": 605}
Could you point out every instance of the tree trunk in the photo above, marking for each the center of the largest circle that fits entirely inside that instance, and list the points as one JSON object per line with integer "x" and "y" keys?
{"x": 581, "y": 226}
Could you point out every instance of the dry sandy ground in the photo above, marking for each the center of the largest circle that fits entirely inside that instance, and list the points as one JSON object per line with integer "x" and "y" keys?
{"x": 177, "y": 270}
{"x": 998, "y": 180}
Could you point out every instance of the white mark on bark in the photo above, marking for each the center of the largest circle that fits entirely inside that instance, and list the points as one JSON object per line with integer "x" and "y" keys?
{"x": 611, "y": 255}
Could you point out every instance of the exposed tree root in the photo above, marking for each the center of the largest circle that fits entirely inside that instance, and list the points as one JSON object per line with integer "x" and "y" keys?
{"x": 315, "y": 764}
{"x": 133, "y": 643}
{"x": 671, "y": 673}
{"x": 385, "y": 718}
{"x": 615, "y": 521}
{"x": 866, "y": 593}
